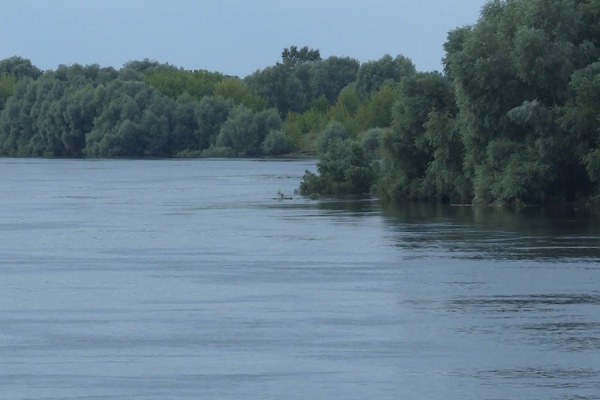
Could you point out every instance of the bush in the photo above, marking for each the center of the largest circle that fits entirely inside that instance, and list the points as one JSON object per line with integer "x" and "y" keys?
{"x": 372, "y": 140}
{"x": 276, "y": 143}
{"x": 218, "y": 152}
{"x": 333, "y": 131}
{"x": 345, "y": 168}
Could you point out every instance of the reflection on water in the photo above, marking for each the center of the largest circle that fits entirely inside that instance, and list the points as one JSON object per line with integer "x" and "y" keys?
{"x": 191, "y": 279}
{"x": 487, "y": 233}
{"x": 518, "y": 303}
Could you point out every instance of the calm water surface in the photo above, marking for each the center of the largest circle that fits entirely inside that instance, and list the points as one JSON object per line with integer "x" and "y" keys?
{"x": 193, "y": 280}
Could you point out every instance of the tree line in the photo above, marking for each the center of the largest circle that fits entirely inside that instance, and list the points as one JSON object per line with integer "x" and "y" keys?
{"x": 151, "y": 109}
{"x": 513, "y": 118}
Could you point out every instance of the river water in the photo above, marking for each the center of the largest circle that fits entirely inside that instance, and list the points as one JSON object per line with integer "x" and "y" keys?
{"x": 193, "y": 279}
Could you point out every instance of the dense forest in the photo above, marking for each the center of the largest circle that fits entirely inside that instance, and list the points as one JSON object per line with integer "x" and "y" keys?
{"x": 514, "y": 118}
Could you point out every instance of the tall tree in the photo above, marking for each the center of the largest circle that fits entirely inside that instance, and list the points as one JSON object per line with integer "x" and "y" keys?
{"x": 292, "y": 55}
{"x": 387, "y": 70}
{"x": 513, "y": 75}
{"x": 19, "y": 67}
{"x": 422, "y": 152}
{"x": 328, "y": 77}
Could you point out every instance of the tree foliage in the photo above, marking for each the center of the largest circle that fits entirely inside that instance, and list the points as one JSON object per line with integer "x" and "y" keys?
{"x": 292, "y": 55}
{"x": 145, "y": 109}
{"x": 513, "y": 119}
{"x": 422, "y": 152}
{"x": 518, "y": 75}
{"x": 7, "y": 87}
{"x": 238, "y": 91}
{"x": 302, "y": 77}
{"x": 387, "y": 70}
{"x": 19, "y": 67}
{"x": 345, "y": 168}
{"x": 174, "y": 82}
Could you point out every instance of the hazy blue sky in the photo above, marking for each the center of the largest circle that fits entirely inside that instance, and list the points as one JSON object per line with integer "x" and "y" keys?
{"x": 235, "y": 37}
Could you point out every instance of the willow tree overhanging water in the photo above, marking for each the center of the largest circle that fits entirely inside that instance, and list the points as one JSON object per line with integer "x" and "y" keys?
{"x": 521, "y": 75}
{"x": 525, "y": 126}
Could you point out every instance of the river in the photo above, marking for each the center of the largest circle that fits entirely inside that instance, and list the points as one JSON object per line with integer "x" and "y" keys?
{"x": 194, "y": 279}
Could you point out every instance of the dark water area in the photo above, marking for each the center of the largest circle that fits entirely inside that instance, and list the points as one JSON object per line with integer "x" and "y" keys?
{"x": 189, "y": 279}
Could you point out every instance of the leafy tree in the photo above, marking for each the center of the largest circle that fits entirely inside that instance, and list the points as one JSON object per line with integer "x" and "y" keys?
{"x": 238, "y": 91}
{"x": 32, "y": 123}
{"x": 245, "y": 131}
{"x": 376, "y": 110}
{"x": 582, "y": 121}
{"x": 301, "y": 128}
{"x": 7, "y": 86}
{"x": 211, "y": 114}
{"x": 19, "y": 68}
{"x": 345, "y": 109}
{"x": 327, "y": 78}
{"x": 79, "y": 114}
{"x": 276, "y": 143}
{"x": 301, "y": 78}
{"x": 129, "y": 74}
{"x": 268, "y": 120}
{"x": 293, "y": 56}
{"x": 387, "y": 70}
{"x": 240, "y": 132}
{"x": 343, "y": 169}
{"x": 284, "y": 85}
{"x": 174, "y": 82}
{"x": 134, "y": 122}
{"x": 333, "y": 132}
{"x": 347, "y": 103}
{"x": 147, "y": 65}
{"x": 184, "y": 132}
{"x": 422, "y": 152}
{"x": 371, "y": 141}
{"x": 513, "y": 72}
{"x": 279, "y": 87}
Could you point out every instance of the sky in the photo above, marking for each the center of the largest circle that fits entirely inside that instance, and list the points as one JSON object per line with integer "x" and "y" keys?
{"x": 234, "y": 37}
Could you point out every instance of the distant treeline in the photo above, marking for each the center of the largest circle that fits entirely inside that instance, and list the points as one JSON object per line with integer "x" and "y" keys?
{"x": 149, "y": 109}
{"x": 514, "y": 117}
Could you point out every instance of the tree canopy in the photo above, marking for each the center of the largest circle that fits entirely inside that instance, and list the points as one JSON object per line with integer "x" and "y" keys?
{"x": 513, "y": 120}
{"x": 517, "y": 74}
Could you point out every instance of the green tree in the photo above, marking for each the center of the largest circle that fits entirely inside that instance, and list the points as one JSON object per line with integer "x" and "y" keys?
{"x": 327, "y": 78}
{"x": 184, "y": 132}
{"x": 134, "y": 122}
{"x": 240, "y": 132}
{"x": 292, "y": 55}
{"x": 376, "y": 110}
{"x": 333, "y": 132}
{"x": 279, "y": 86}
{"x": 387, "y": 70}
{"x": 211, "y": 114}
{"x": 371, "y": 141}
{"x": 7, "y": 87}
{"x": 286, "y": 86}
{"x": 345, "y": 109}
{"x": 513, "y": 72}
{"x": 19, "y": 67}
{"x": 422, "y": 152}
{"x": 174, "y": 82}
{"x": 581, "y": 119}
{"x": 343, "y": 169}
{"x": 245, "y": 131}
{"x": 79, "y": 114}
{"x": 276, "y": 143}
{"x": 238, "y": 91}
